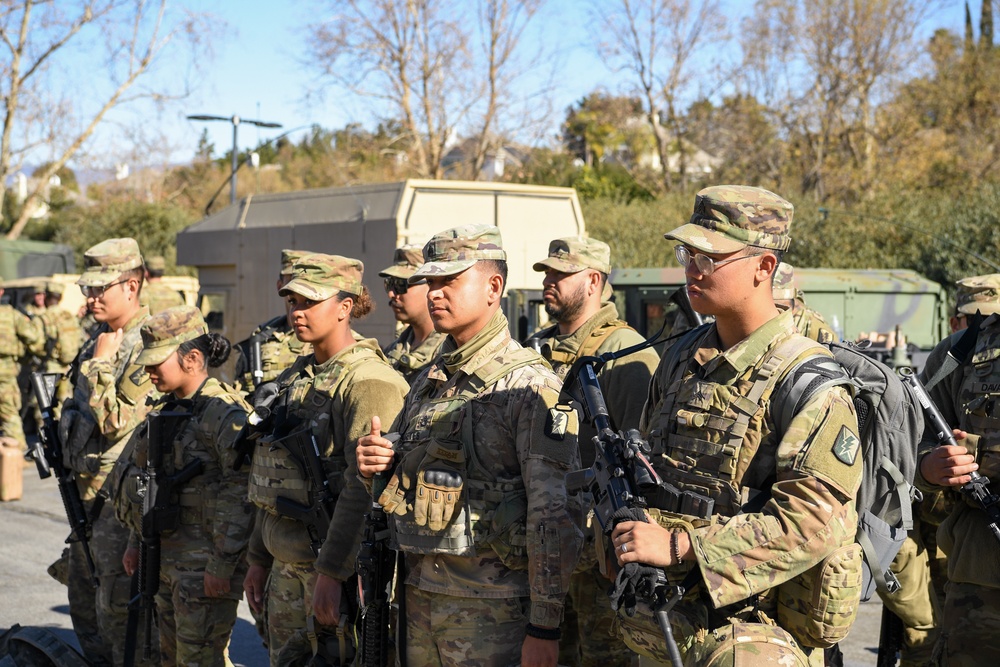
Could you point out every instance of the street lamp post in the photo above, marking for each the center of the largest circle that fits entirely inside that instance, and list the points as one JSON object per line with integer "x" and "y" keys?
{"x": 235, "y": 120}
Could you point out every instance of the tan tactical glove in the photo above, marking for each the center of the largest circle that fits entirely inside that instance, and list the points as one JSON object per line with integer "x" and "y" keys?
{"x": 439, "y": 487}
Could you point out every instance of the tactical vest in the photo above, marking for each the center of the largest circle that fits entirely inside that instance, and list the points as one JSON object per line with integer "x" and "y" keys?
{"x": 275, "y": 472}
{"x": 198, "y": 439}
{"x": 491, "y": 512}
{"x": 708, "y": 434}
{"x": 562, "y": 361}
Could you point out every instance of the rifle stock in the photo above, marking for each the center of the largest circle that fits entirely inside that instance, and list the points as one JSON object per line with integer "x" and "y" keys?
{"x": 160, "y": 513}
{"x": 978, "y": 489}
{"x": 375, "y": 565}
{"x": 48, "y": 455}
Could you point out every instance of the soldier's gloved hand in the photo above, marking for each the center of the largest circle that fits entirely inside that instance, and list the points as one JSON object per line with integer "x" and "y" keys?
{"x": 393, "y": 498}
{"x": 263, "y": 399}
{"x": 439, "y": 487}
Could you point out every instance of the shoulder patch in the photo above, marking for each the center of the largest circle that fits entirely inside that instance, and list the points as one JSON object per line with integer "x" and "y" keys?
{"x": 846, "y": 446}
{"x": 558, "y": 422}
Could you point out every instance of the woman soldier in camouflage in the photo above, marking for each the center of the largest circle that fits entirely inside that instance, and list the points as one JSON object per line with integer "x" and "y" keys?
{"x": 203, "y": 556}
{"x": 324, "y": 404}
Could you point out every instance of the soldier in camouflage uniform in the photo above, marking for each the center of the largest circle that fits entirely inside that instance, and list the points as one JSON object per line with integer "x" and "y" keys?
{"x": 202, "y": 560}
{"x": 110, "y": 389}
{"x": 18, "y": 336}
{"x": 36, "y": 306}
{"x": 419, "y": 343}
{"x": 786, "y": 296}
{"x": 576, "y": 273}
{"x": 155, "y": 294}
{"x": 966, "y": 397}
{"x": 62, "y": 341}
{"x": 279, "y": 347}
{"x": 783, "y": 494}
{"x": 976, "y": 293}
{"x": 329, "y": 395}
{"x": 478, "y": 500}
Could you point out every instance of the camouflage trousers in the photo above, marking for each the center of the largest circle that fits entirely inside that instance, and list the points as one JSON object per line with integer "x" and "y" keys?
{"x": 915, "y": 603}
{"x": 448, "y": 631}
{"x": 289, "y": 603}
{"x": 970, "y": 625}
{"x": 100, "y": 616}
{"x": 194, "y": 629}
{"x": 589, "y": 638}
{"x": 10, "y": 411}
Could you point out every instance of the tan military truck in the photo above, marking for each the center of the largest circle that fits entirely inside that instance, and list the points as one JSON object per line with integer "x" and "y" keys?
{"x": 237, "y": 250}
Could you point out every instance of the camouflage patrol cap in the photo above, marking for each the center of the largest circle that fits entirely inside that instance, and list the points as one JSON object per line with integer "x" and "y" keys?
{"x": 576, "y": 253}
{"x": 106, "y": 261}
{"x": 980, "y": 293}
{"x": 783, "y": 287}
{"x": 164, "y": 332}
{"x": 455, "y": 250}
{"x": 318, "y": 277}
{"x": 728, "y": 218}
{"x": 405, "y": 262}
{"x": 288, "y": 259}
{"x": 54, "y": 288}
{"x": 156, "y": 263}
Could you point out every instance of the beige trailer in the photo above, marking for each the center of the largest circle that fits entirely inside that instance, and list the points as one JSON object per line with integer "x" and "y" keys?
{"x": 237, "y": 250}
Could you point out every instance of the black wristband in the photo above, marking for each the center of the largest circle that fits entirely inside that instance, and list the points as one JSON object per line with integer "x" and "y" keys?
{"x": 552, "y": 634}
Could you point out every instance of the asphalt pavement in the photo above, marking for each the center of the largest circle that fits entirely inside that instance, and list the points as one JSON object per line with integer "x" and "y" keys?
{"x": 32, "y": 531}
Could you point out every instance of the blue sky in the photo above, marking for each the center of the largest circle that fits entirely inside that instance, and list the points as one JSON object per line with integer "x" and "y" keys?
{"x": 256, "y": 71}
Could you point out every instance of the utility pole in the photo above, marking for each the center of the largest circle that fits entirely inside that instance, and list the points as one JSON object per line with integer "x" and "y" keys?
{"x": 235, "y": 120}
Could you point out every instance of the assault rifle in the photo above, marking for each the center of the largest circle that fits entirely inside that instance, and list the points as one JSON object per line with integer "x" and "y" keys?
{"x": 302, "y": 445}
{"x": 160, "y": 513}
{"x": 47, "y": 452}
{"x": 620, "y": 480}
{"x": 978, "y": 489}
{"x": 375, "y": 568}
{"x": 890, "y": 639}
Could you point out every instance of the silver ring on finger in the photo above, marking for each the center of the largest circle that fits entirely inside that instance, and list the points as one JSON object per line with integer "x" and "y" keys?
{"x": 624, "y": 547}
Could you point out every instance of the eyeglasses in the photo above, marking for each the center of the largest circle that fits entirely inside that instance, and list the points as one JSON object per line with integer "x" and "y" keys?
{"x": 706, "y": 265}
{"x": 98, "y": 292}
{"x": 400, "y": 285}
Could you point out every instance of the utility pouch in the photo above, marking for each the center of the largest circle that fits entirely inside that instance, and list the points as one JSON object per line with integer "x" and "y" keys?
{"x": 818, "y": 606}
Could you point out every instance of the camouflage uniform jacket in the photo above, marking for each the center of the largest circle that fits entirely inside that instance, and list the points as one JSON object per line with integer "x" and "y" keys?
{"x": 62, "y": 338}
{"x": 109, "y": 397}
{"x": 692, "y": 419}
{"x": 624, "y": 381}
{"x": 337, "y": 399}
{"x": 969, "y": 399}
{"x": 279, "y": 348}
{"x": 159, "y": 297}
{"x": 811, "y": 324}
{"x": 18, "y": 335}
{"x": 514, "y": 439}
{"x": 410, "y": 360}
{"x": 215, "y": 519}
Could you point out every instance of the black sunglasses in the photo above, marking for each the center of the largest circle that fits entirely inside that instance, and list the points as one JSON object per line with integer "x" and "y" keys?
{"x": 399, "y": 286}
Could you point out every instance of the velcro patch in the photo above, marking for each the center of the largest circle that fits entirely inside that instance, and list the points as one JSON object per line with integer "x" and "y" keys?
{"x": 558, "y": 422}
{"x": 846, "y": 447}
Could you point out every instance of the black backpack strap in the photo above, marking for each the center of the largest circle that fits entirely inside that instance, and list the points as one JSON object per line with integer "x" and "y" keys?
{"x": 810, "y": 376}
